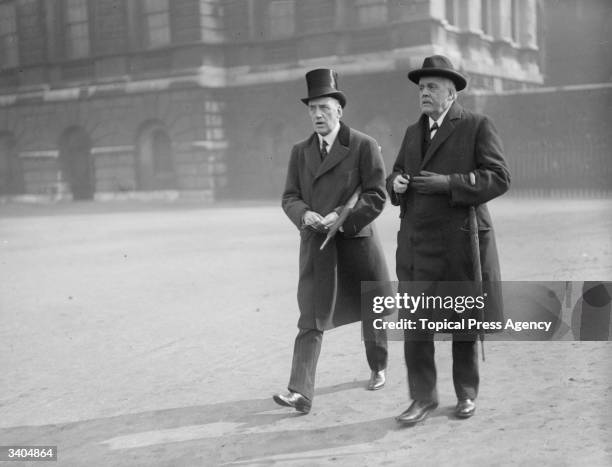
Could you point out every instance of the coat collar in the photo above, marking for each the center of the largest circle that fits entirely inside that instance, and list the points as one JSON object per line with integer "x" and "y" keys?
{"x": 337, "y": 152}
{"x": 448, "y": 126}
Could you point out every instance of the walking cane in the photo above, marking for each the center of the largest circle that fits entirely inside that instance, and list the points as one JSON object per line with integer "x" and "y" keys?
{"x": 344, "y": 212}
{"x": 477, "y": 267}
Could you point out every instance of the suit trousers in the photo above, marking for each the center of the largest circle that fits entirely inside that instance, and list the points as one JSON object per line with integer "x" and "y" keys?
{"x": 421, "y": 366}
{"x": 307, "y": 348}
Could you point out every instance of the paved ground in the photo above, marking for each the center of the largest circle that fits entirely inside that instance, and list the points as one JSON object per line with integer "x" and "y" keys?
{"x": 155, "y": 334}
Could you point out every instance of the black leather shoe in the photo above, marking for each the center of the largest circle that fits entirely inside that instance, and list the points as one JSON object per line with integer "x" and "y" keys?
{"x": 293, "y": 399}
{"x": 417, "y": 412}
{"x": 465, "y": 408}
{"x": 377, "y": 380}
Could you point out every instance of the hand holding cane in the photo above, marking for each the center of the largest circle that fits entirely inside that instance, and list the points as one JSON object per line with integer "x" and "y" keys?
{"x": 344, "y": 212}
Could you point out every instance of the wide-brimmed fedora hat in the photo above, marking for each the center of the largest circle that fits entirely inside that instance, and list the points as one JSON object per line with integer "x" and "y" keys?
{"x": 438, "y": 65}
{"x": 323, "y": 82}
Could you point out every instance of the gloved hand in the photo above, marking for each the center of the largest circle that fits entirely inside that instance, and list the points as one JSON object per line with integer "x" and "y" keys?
{"x": 329, "y": 220}
{"x": 430, "y": 183}
{"x": 400, "y": 183}
{"x": 314, "y": 220}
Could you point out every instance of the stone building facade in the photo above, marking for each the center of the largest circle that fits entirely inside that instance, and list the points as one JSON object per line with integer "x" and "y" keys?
{"x": 120, "y": 98}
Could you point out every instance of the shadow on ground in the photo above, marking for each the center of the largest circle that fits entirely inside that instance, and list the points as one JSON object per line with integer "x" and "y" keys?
{"x": 241, "y": 432}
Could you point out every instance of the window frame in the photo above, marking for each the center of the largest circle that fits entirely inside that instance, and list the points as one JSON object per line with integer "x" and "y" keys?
{"x": 283, "y": 31}
{"x": 485, "y": 17}
{"x": 73, "y": 48}
{"x": 9, "y": 40}
{"x": 372, "y": 12}
{"x": 152, "y": 41}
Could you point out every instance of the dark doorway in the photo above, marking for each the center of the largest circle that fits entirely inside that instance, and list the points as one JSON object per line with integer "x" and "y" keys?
{"x": 76, "y": 162}
{"x": 155, "y": 158}
{"x": 11, "y": 173}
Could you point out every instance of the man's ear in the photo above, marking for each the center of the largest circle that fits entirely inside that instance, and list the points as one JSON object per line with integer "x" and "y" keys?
{"x": 339, "y": 111}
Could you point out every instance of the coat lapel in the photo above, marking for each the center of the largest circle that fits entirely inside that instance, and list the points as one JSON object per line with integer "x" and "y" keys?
{"x": 416, "y": 142}
{"x": 338, "y": 151}
{"x": 313, "y": 156}
{"x": 448, "y": 126}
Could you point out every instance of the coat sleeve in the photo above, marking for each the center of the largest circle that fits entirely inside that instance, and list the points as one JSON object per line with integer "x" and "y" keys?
{"x": 492, "y": 174}
{"x": 398, "y": 169}
{"x": 372, "y": 198}
{"x": 292, "y": 202}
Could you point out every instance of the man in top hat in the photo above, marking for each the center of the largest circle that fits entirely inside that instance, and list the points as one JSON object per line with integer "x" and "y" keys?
{"x": 325, "y": 171}
{"x": 451, "y": 159}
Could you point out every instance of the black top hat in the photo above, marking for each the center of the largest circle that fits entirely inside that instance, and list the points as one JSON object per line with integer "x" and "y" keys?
{"x": 438, "y": 65}
{"x": 323, "y": 82}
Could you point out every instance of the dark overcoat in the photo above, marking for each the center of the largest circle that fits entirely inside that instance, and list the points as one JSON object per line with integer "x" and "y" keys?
{"x": 329, "y": 286}
{"x": 433, "y": 243}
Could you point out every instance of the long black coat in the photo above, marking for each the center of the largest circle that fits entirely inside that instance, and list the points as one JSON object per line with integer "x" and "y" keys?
{"x": 434, "y": 241}
{"x": 329, "y": 288}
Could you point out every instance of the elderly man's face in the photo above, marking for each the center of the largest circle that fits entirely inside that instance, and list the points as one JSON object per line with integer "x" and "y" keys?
{"x": 435, "y": 95}
{"x": 325, "y": 113}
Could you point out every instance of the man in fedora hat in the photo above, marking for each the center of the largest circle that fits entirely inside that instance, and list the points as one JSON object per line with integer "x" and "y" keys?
{"x": 334, "y": 164}
{"x": 450, "y": 160}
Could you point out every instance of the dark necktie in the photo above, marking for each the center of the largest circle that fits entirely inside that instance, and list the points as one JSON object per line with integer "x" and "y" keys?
{"x": 323, "y": 149}
{"x": 434, "y": 128}
{"x": 427, "y": 136}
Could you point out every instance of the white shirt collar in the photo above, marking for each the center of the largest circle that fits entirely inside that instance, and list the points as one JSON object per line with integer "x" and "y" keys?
{"x": 440, "y": 119}
{"x": 330, "y": 137}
